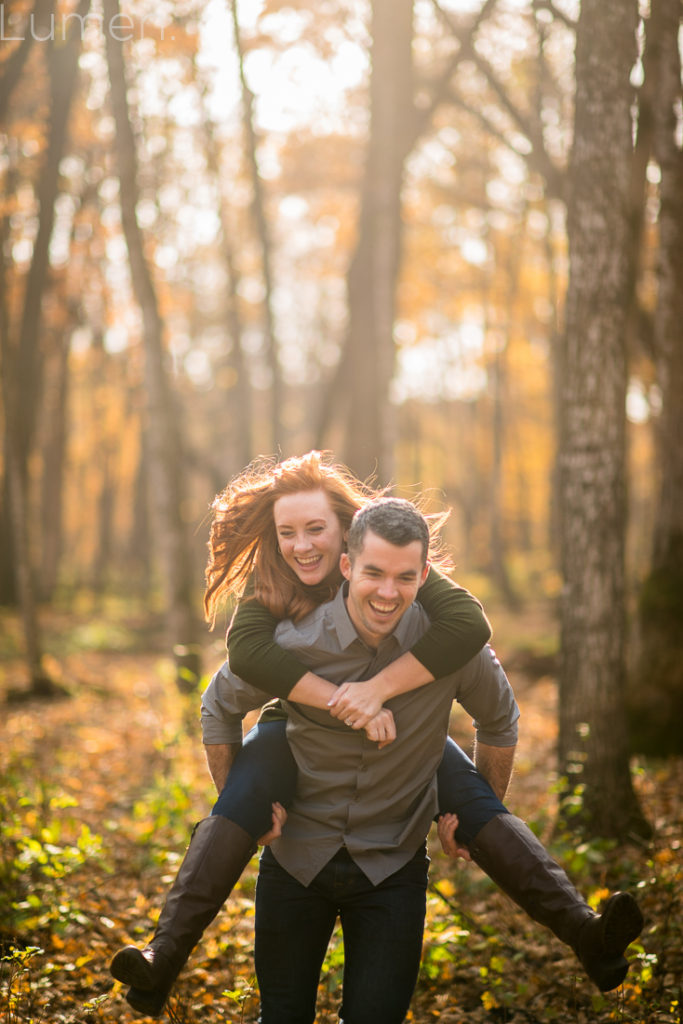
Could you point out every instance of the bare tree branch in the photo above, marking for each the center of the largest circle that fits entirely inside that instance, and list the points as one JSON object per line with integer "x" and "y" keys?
{"x": 263, "y": 234}
{"x": 440, "y": 88}
{"x": 554, "y": 182}
{"x": 530, "y": 129}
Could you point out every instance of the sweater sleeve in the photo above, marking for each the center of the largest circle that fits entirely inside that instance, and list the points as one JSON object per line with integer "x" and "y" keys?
{"x": 459, "y": 628}
{"x": 253, "y": 654}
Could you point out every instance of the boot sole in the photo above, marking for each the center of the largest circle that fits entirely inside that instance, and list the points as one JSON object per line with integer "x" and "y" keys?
{"x": 622, "y": 922}
{"x": 145, "y": 1003}
{"x": 130, "y": 967}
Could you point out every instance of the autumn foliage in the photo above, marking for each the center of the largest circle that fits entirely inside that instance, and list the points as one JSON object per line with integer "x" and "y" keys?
{"x": 100, "y": 790}
{"x": 417, "y": 234}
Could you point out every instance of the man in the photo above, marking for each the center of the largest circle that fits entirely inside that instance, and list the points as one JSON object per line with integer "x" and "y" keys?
{"x": 353, "y": 844}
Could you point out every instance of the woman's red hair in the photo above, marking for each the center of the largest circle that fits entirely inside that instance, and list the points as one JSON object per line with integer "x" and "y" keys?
{"x": 243, "y": 542}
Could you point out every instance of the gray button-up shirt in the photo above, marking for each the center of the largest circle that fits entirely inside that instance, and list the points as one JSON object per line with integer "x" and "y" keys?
{"x": 377, "y": 803}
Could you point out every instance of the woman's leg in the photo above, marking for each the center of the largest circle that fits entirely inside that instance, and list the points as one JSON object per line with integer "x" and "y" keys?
{"x": 464, "y": 791}
{"x": 220, "y": 848}
{"x": 511, "y": 855}
{"x": 263, "y": 773}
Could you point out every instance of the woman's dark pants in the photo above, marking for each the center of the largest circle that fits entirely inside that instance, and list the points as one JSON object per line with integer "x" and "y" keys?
{"x": 264, "y": 772}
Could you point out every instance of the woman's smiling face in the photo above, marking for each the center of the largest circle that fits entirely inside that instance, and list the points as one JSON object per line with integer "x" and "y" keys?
{"x": 309, "y": 534}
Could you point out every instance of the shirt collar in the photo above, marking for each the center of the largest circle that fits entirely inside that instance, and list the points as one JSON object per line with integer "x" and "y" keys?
{"x": 345, "y": 629}
{"x": 405, "y": 626}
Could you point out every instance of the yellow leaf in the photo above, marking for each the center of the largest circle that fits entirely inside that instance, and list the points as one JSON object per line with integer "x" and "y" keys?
{"x": 446, "y": 887}
{"x": 489, "y": 1000}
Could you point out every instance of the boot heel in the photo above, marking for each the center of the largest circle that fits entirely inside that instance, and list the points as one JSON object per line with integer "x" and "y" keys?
{"x": 603, "y": 940}
{"x": 149, "y": 1004}
{"x": 131, "y": 967}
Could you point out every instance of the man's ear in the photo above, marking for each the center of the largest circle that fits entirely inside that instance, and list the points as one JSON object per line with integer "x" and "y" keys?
{"x": 345, "y": 565}
{"x": 425, "y": 572}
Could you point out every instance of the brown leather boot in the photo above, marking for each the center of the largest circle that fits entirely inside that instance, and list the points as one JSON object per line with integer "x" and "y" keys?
{"x": 218, "y": 853}
{"x": 511, "y": 855}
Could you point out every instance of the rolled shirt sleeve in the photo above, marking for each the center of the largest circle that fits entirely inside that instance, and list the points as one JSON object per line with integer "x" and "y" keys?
{"x": 225, "y": 702}
{"x": 485, "y": 693}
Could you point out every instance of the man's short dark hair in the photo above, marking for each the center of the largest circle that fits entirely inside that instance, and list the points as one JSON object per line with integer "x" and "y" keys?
{"x": 393, "y": 519}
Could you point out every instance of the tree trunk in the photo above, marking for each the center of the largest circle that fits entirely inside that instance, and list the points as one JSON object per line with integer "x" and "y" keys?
{"x": 54, "y": 434}
{"x": 15, "y": 516}
{"x": 263, "y": 234}
{"x": 239, "y": 415}
{"x": 163, "y": 429}
{"x": 22, "y": 367}
{"x": 656, "y": 697}
{"x": 8, "y": 582}
{"x": 593, "y": 747}
{"x": 501, "y": 434}
{"x": 63, "y": 68}
{"x": 140, "y": 540}
{"x": 8, "y": 577}
{"x": 374, "y": 270}
{"x": 360, "y": 385}
{"x": 13, "y": 67}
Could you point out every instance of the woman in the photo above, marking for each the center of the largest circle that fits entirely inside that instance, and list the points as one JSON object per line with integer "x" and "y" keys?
{"x": 277, "y": 533}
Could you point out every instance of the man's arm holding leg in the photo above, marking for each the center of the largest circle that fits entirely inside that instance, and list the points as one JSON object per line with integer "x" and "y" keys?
{"x": 485, "y": 692}
{"x": 495, "y": 764}
{"x": 219, "y": 758}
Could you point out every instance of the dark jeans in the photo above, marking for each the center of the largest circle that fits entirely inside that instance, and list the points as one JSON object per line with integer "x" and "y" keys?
{"x": 464, "y": 791}
{"x": 382, "y": 926}
{"x": 264, "y": 771}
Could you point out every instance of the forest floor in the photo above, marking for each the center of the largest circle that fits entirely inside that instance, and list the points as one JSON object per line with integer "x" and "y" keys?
{"x": 98, "y": 793}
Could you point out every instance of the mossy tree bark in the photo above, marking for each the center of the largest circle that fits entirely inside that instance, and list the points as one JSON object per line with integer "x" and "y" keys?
{"x": 593, "y": 746}
{"x": 656, "y": 691}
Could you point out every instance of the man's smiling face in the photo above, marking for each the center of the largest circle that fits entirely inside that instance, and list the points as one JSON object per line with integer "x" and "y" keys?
{"x": 383, "y": 582}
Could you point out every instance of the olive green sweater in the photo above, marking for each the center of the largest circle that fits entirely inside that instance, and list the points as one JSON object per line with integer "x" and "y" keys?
{"x": 459, "y": 629}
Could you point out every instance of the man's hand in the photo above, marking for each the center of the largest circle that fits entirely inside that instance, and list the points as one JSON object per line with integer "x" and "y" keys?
{"x": 382, "y": 729}
{"x": 446, "y": 826}
{"x": 279, "y": 818}
{"x": 356, "y": 703}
